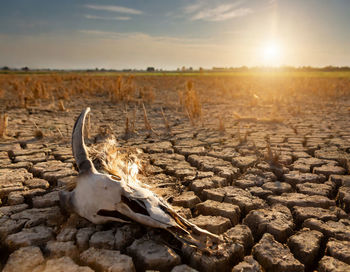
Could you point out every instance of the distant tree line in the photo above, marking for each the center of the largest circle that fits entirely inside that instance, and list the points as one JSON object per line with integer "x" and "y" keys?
{"x": 184, "y": 69}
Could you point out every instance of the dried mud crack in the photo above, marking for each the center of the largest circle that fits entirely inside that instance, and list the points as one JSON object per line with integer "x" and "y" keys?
{"x": 291, "y": 214}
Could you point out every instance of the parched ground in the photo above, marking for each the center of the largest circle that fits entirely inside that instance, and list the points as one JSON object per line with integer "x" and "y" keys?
{"x": 279, "y": 189}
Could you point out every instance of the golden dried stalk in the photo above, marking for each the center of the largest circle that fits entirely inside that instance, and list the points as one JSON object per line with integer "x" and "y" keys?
{"x": 145, "y": 118}
{"x": 166, "y": 123}
{"x": 59, "y": 131}
{"x": 221, "y": 124}
{"x": 147, "y": 123}
{"x": 3, "y": 125}
{"x": 61, "y": 105}
{"x": 127, "y": 131}
{"x": 133, "y": 121}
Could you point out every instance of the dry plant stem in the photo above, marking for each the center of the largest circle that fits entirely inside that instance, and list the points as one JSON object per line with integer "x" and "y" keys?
{"x": 221, "y": 124}
{"x": 147, "y": 123}
{"x": 190, "y": 118}
{"x": 126, "y": 132}
{"x": 246, "y": 137}
{"x": 236, "y": 115}
{"x": 133, "y": 121}
{"x": 240, "y": 138}
{"x": 61, "y": 105}
{"x": 145, "y": 118}
{"x": 3, "y": 125}
{"x": 59, "y": 131}
{"x": 202, "y": 121}
{"x": 5, "y": 121}
{"x": 166, "y": 123}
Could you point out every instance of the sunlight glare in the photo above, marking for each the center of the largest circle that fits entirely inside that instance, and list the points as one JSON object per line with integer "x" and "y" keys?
{"x": 271, "y": 53}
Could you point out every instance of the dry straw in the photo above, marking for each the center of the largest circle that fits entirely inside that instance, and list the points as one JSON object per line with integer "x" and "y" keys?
{"x": 3, "y": 125}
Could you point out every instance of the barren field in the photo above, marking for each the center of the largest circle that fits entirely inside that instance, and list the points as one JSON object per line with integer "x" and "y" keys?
{"x": 262, "y": 159}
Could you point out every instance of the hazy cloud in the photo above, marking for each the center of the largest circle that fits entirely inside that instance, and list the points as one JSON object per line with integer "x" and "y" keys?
{"x": 144, "y": 36}
{"x": 193, "y": 7}
{"x": 117, "y": 18}
{"x": 213, "y": 11}
{"x": 114, "y": 8}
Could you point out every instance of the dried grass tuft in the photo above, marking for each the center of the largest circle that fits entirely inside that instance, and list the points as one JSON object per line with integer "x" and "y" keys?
{"x": 272, "y": 157}
{"x": 222, "y": 128}
{"x": 147, "y": 94}
{"x": 38, "y": 133}
{"x": 190, "y": 102}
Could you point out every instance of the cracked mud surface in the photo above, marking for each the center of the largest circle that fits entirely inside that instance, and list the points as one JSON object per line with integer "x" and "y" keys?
{"x": 285, "y": 215}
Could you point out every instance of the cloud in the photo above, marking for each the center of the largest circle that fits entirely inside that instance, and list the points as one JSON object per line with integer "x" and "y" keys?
{"x": 118, "y": 9}
{"x": 117, "y": 18}
{"x": 193, "y": 7}
{"x": 110, "y": 35}
{"x": 206, "y": 11}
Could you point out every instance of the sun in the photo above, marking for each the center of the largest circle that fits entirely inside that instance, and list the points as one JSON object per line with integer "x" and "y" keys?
{"x": 271, "y": 53}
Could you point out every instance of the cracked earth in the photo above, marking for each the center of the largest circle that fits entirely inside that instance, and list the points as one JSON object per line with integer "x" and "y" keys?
{"x": 280, "y": 191}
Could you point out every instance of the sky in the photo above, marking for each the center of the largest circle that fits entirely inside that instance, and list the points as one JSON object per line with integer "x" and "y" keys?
{"x": 167, "y": 34}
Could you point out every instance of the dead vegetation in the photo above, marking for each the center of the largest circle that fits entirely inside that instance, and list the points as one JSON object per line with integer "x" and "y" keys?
{"x": 272, "y": 156}
{"x": 3, "y": 125}
{"x": 262, "y": 99}
{"x": 189, "y": 100}
{"x": 166, "y": 123}
{"x": 221, "y": 124}
{"x": 130, "y": 127}
{"x": 26, "y": 91}
{"x": 38, "y": 133}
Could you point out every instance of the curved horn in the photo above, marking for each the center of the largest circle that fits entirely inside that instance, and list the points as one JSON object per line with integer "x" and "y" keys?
{"x": 78, "y": 145}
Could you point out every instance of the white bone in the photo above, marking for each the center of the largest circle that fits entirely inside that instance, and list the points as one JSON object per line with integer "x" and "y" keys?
{"x": 97, "y": 193}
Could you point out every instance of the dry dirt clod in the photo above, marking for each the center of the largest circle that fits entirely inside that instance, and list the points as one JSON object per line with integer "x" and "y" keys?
{"x": 210, "y": 207}
{"x": 102, "y": 239}
{"x": 149, "y": 255}
{"x": 277, "y": 220}
{"x": 107, "y": 260}
{"x": 330, "y": 264}
{"x": 274, "y": 256}
{"x": 214, "y": 224}
{"x": 65, "y": 264}
{"x": 249, "y": 264}
{"x": 36, "y": 236}
{"x": 306, "y": 246}
{"x": 24, "y": 259}
{"x": 339, "y": 250}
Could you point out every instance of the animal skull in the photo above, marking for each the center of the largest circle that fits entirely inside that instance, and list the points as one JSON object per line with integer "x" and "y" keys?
{"x": 102, "y": 198}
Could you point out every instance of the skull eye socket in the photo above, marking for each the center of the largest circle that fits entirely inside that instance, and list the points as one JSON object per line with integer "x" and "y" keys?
{"x": 114, "y": 214}
{"x": 135, "y": 206}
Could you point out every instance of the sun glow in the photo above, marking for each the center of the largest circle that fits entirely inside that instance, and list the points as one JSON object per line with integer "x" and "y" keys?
{"x": 271, "y": 53}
